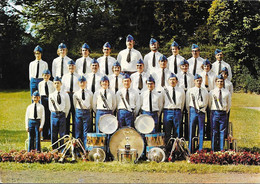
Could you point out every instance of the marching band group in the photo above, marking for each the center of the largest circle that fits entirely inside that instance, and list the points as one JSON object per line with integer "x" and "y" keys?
{"x": 180, "y": 93}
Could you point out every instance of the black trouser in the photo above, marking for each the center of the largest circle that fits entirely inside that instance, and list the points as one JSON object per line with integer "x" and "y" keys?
{"x": 71, "y": 113}
{"x": 46, "y": 133}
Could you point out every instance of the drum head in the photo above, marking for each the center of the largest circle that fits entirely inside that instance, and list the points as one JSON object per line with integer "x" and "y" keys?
{"x": 123, "y": 136}
{"x": 144, "y": 124}
{"x": 108, "y": 124}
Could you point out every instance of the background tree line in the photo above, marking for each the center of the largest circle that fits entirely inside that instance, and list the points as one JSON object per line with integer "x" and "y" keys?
{"x": 232, "y": 26}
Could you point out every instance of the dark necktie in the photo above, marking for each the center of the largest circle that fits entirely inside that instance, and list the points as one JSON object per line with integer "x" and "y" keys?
{"x": 175, "y": 65}
{"x": 93, "y": 84}
{"x": 140, "y": 84}
{"x": 127, "y": 96}
{"x": 154, "y": 59}
{"x": 61, "y": 69}
{"x": 84, "y": 65}
{"x": 83, "y": 94}
{"x": 220, "y": 98}
{"x": 116, "y": 84}
{"x": 163, "y": 78}
{"x": 35, "y": 111}
{"x": 71, "y": 83}
{"x": 59, "y": 98}
{"x": 200, "y": 95}
{"x": 128, "y": 59}
{"x": 185, "y": 81}
{"x": 219, "y": 68}
{"x": 195, "y": 66}
{"x": 46, "y": 89}
{"x": 150, "y": 102}
{"x": 173, "y": 95}
{"x": 224, "y": 84}
{"x": 206, "y": 80}
{"x": 105, "y": 94}
{"x": 106, "y": 65}
{"x": 37, "y": 72}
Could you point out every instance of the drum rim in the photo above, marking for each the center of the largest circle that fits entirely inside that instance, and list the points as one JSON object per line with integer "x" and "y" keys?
{"x": 137, "y": 119}
{"x": 102, "y": 117}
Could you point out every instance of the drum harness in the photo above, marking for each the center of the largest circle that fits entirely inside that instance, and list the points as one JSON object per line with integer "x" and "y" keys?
{"x": 126, "y": 106}
{"x": 168, "y": 95}
{"x": 80, "y": 103}
{"x": 54, "y": 105}
{"x": 216, "y": 102}
{"x": 105, "y": 101}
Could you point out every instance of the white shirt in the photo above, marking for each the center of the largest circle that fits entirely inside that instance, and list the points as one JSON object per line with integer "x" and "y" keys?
{"x": 80, "y": 63}
{"x": 56, "y": 66}
{"x": 41, "y": 87}
{"x": 148, "y": 61}
{"x": 228, "y": 86}
{"x": 190, "y": 80}
{"x": 112, "y": 82}
{"x": 135, "y": 81}
{"x": 66, "y": 82}
{"x": 102, "y": 64}
{"x": 87, "y": 103}
{"x": 65, "y": 102}
{"x": 226, "y": 99}
{"x": 157, "y": 75}
{"x": 98, "y": 103}
{"x": 211, "y": 79}
{"x": 179, "y": 97}
{"x": 201, "y": 104}
{"x": 215, "y": 68}
{"x": 30, "y": 114}
{"x": 198, "y": 66}
{"x": 157, "y": 101}
{"x": 89, "y": 78}
{"x": 131, "y": 66}
{"x": 33, "y": 68}
{"x": 134, "y": 102}
{"x": 171, "y": 59}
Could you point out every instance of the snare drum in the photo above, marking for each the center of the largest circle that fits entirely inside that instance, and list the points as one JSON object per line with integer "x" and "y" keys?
{"x": 96, "y": 140}
{"x": 108, "y": 124}
{"x": 144, "y": 124}
{"x": 155, "y": 140}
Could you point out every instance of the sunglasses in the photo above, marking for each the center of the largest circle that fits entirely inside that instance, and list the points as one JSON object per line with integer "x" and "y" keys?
{"x": 139, "y": 65}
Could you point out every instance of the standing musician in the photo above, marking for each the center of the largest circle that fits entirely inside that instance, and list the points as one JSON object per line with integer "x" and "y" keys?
{"x": 59, "y": 64}
{"x": 195, "y": 61}
{"x": 151, "y": 102}
{"x": 128, "y": 103}
{"x": 34, "y": 122}
{"x": 115, "y": 79}
{"x": 129, "y": 56}
{"x": 46, "y": 87}
{"x": 219, "y": 103}
{"x": 106, "y": 61}
{"x": 139, "y": 78}
{"x": 104, "y": 100}
{"x": 83, "y": 63}
{"x": 82, "y": 100}
{"x": 70, "y": 86}
{"x": 59, "y": 104}
{"x": 196, "y": 103}
{"x": 173, "y": 104}
{"x": 94, "y": 77}
{"x": 36, "y": 68}
{"x": 175, "y": 59}
{"x": 152, "y": 58}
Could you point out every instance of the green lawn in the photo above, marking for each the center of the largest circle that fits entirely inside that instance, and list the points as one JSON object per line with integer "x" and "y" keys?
{"x": 13, "y": 135}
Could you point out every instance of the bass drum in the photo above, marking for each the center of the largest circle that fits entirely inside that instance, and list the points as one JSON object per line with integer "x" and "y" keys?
{"x": 123, "y": 136}
{"x": 108, "y": 124}
{"x": 144, "y": 124}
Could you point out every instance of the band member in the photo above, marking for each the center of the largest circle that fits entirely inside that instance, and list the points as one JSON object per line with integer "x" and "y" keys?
{"x": 185, "y": 81}
{"x": 115, "y": 80}
{"x": 195, "y": 61}
{"x": 106, "y": 61}
{"x": 59, "y": 64}
{"x": 128, "y": 103}
{"x": 83, "y": 63}
{"x": 59, "y": 104}
{"x": 36, "y": 68}
{"x": 139, "y": 78}
{"x": 151, "y": 102}
{"x": 82, "y": 100}
{"x": 173, "y": 104}
{"x": 196, "y": 103}
{"x": 70, "y": 86}
{"x": 175, "y": 59}
{"x": 219, "y": 103}
{"x": 34, "y": 122}
{"x": 129, "y": 56}
{"x": 219, "y": 64}
{"x": 46, "y": 87}
{"x": 94, "y": 77}
{"x": 104, "y": 100}
{"x": 152, "y": 58}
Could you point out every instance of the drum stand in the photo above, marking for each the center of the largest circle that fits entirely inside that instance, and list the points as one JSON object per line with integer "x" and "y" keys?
{"x": 179, "y": 149}
{"x": 71, "y": 144}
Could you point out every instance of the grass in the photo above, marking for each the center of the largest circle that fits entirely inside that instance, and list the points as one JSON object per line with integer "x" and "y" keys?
{"x": 12, "y": 136}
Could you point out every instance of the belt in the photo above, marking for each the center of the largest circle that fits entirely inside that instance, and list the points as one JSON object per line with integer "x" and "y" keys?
{"x": 44, "y": 96}
{"x": 219, "y": 111}
{"x": 175, "y": 109}
{"x": 35, "y": 119}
